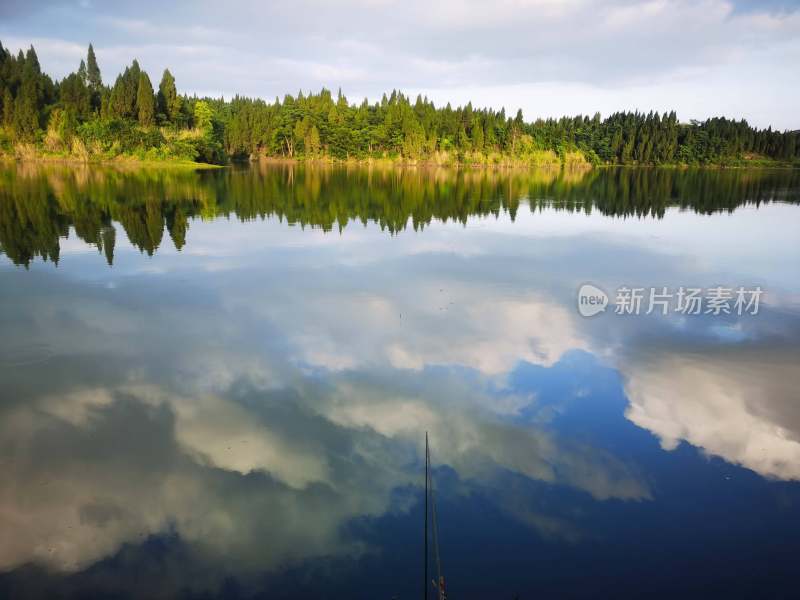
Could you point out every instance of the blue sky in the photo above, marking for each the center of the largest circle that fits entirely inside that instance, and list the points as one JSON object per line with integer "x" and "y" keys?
{"x": 548, "y": 57}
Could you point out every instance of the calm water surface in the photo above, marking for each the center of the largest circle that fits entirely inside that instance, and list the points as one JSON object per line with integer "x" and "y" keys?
{"x": 216, "y": 384}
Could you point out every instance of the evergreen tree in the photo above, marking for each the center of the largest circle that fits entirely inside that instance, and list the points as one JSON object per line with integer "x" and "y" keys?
{"x": 93, "y": 80}
{"x": 122, "y": 103}
{"x": 168, "y": 101}
{"x": 32, "y": 61}
{"x": 75, "y": 96}
{"x": 316, "y": 123}
{"x": 117, "y": 105}
{"x": 132, "y": 89}
{"x": 26, "y": 106}
{"x": 145, "y": 100}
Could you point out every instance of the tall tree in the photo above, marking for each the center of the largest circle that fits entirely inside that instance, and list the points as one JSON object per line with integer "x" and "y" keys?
{"x": 75, "y": 96}
{"x": 117, "y": 104}
{"x": 93, "y": 80}
{"x": 168, "y": 101}
{"x": 29, "y": 97}
{"x": 82, "y": 72}
{"x": 132, "y": 88}
{"x": 145, "y": 100}
{"x": 32, "y": 61}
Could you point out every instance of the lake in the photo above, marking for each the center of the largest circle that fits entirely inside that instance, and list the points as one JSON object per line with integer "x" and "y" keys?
{"x": 217, "y": 383}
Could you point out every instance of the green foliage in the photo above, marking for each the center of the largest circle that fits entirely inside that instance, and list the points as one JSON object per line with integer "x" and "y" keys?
{"x": 122, "y": 103}
{"x": 203, "y": 115}
{"x": 311, "y": 142}
{"x": 169, "y": 104}
{"x": 94, "y": 81}
{"x": 61, "y": 129}
{"x": 75, "y": 95}
{"x": 111, "y": 137}
{"x": 26, "y": 118}
{"x": 208, "y": 150}
{"x": 323, "y": 126}
{"x": 145, "y": 100}
{"x": 8, "y": 108}
{"x": 6, "y": 145}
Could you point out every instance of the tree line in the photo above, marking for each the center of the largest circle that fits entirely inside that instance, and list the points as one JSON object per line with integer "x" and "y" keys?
{"x": 83, "y": 117}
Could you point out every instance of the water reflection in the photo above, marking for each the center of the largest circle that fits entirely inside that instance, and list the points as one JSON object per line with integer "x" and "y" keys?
{"x": 229, "y": 412}
{"x": 738, "y": 403}
{"x": 244, "y": 418}
{"x": 40, "y": 203}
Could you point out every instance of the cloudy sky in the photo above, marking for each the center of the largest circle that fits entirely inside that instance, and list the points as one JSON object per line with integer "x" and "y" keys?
{"x": 548, "y": 57}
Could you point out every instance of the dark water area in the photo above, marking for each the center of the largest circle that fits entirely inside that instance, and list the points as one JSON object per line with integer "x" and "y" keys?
{"x": 216, "y": 384}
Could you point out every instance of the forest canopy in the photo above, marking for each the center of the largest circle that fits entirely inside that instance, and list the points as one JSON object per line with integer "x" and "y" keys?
{"x": 83, "y": 117}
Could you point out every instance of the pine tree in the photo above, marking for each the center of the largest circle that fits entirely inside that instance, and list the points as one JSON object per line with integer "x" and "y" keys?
{"x": 132, "y": 88}
{"x": 94, "y": 80}
{"x": 27, "y": 102}
{"x": 75, "y": 96}
{"x": 32, "y": 61}
{"x": 145, "y": 100}
{"x": 116, "y": 102}
{"x": 169, "y": 104}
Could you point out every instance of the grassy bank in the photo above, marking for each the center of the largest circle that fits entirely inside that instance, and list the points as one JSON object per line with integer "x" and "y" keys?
{"x": 119, "y": 143}
{"x": 120, "y": 160}
{"x": 539, "y": 159}
{"x": 115, "y": 141}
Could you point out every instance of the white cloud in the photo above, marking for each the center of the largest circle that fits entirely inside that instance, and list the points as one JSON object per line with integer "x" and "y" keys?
{"x": 699, "y": 58}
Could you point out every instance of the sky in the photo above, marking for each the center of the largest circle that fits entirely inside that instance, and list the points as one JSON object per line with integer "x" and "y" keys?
{"x": 702, "y": 58}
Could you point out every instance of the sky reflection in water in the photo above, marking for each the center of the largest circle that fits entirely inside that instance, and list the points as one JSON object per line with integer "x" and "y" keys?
{"x": 244, "y": 416}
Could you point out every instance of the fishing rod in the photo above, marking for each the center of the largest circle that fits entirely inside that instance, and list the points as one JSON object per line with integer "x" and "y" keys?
{"x": 425, "y": 576}
{"x": 430, "y": 500}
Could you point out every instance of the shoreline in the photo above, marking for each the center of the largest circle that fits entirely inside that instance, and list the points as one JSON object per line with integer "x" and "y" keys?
{"x": 381, "y": 162}
{"x": 110, "y": 162}
{"x": 388, "y": 162}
